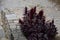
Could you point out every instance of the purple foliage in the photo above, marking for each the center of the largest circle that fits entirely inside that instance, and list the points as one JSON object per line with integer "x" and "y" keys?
{"x": 34, "y": 26}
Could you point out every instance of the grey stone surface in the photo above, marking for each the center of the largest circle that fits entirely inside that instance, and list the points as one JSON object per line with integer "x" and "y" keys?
{"x": 50, "y": 10}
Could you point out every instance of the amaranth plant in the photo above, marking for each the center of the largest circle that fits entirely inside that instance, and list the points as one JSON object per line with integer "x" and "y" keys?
{"x": 35, "y": 27}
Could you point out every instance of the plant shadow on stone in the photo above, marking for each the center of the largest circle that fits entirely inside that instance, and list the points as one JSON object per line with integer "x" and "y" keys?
{"x": 35, "y": 27}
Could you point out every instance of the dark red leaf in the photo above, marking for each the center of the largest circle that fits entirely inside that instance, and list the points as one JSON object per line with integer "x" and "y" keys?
{"x": 20, "y": 21}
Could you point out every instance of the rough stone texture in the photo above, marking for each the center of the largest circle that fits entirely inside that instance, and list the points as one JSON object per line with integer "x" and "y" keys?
{"x": 18, "y": 8}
